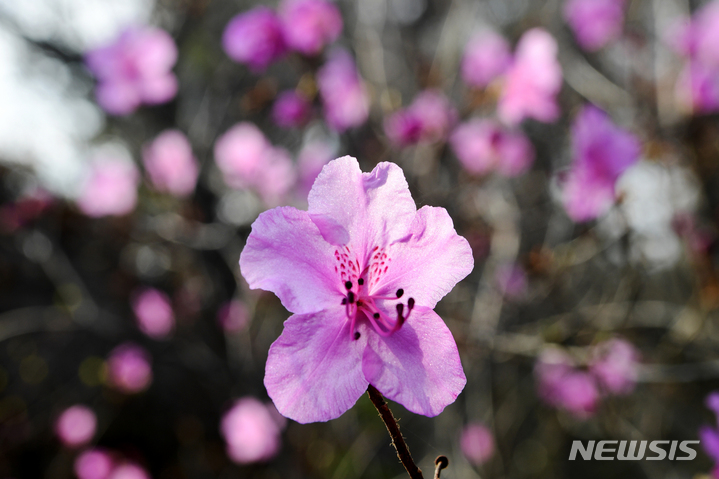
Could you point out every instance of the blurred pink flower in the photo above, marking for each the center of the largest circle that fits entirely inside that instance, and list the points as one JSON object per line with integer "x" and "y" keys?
{"x": 153, "y": 312}
{"x": 486, "y": 56}
{"x": 252, "y": 431}
{"x": 484, "y": 145}
{"x": 428, "y": 119}
{"x": 312, "y": 158}
{"x": 309, "y": 25}
{"x": 76, "y": 425}
{"x": 477, "y": 443}
{"x": 233, "y": 316}
{"x": 110, "y": 189}
{"x": 128, "y": 470}
{"x": 533, "y": 80}
{"x": 129, "y": 368}
{"x": 248, "y": 160}
{"x": 255, "y": 38}
{"x": 561, "y": 385}
{"x": 697, "y": 38}
{"x": 697, "y": 88}
{"x": 512, "y": 280}
{"x": 345, "y": 99}
{"x": 595, "y": 22}
{"x": 614, "y": 364}
{"x": 170, "y": 164}
{"x": 353, "y": 269}
{"x": 135, "y": 69}
{"x": 291, "y": 109}
{"x": 93, "y": 464}
{"x": 601, "y": 153}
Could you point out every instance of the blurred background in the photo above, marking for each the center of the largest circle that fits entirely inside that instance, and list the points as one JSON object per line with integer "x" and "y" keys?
{"x": 575, "y": 144}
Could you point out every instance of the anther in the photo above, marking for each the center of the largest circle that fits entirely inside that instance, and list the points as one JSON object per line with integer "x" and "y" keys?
{"x": 357, "y": 335}
{"x": 351, "y": 297}
{"x": 375, "y": 315}
{"x": 344, "y": 300}
{"x": 348, "y": 285}
{"x": 360, "y": 281}
{"x": 410, "y": 303}
{"x": 400, "y": 292}
{"x": 400, "y": 308}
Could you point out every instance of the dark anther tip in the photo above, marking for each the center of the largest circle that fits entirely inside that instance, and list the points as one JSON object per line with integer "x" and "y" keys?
{"x": 400, "y": 292}
{"x": 360, "y": 281}
{"x": 400, "y": 308}
{"x": 410, "y": 303}
{"x": 357, "y": 335}
{"x": 441, "y": 462}
{"x": 351, "y": 297}
{"x": 344, "y": 300}
{"x": 375, "y": 315}
{"x": 359, "y": 302}
{"x": 348, "y": 285}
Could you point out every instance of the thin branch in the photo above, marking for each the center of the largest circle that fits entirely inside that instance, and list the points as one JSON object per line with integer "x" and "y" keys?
{"x": 393, "y": 428}
{"x": 440, "y": 463}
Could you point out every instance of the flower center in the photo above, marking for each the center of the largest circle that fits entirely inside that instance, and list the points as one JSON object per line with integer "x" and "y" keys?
{"x": 358, "y": 301}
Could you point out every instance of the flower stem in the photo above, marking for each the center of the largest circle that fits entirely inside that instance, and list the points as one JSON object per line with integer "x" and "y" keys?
{"x": 393, "y": 428}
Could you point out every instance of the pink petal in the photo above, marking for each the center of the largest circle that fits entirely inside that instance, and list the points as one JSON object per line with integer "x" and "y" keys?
{"x": 374, "y": 209}
{"x": 286, "y": 254}
{"x": 418, "y": 366}
{"x": 431, "y": 262}
{"x": 314, "y": 369}
{"x": 117, "y": 97}
{"x": 159, "y": 88}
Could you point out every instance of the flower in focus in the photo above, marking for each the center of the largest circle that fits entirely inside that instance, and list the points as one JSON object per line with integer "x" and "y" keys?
{"x": 233, "y": 316}
{"x": 594, "y": 22}
{"x": 252, "y": 431}
{"x": 255, "y": 38}
{"x": 428, "y": 119}
{"x": 345, "y": 99}
{"x": 76, "y": 425}
{"x": 135, "y": 69}
{"x": 309, "y": 25}
{"x": 614, "y": 365}
{"x": 486, "y": 56}
{"x": 110, "y": 189}
{"x": 291, "y": 110}
{"x": 483, "y": 146}
{"x": 532, "y": 81}
{"x": 128, "y": 367}
{"x": 561, "y": 385}
{"x": 248, "y": 160}
{"x": 477, "y": 443}
{"x": 93, "y": 464}
{"x": 170, "y": 163}
{"x": 601, "y": 153}
{"x": 154, "y": 313}
{"x": 361, "y": 270}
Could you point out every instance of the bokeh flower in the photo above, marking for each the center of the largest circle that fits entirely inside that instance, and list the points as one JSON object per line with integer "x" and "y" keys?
{"x": 486, "y": 56}
{"x": 313, "y": 156}
{"x": 309, "y": 25}
{"x": 128, "y": 470}
{"x": 428, "y": 119}
{"x": 135, "y": 69}
{"x": 252, "y": 431}
{"x": 561, "y": 384}
{"x": 594, "y": 22}
{"x": 76, "y": 425}
{"x": 291, "y": 109}
{"x": 345, "y": 99}
{"x": 255, "y": 38}
{"x": 94, "y": 463}
{"x": 110, "y": 188}
{"x": 477, "y": 443}
{"x": 170, "y": 164}
{"x": 361, "y": 270}
{"x": 709, "y": 435}
{"x": 153, "y": 312}
{"x": 129, "y": 369}
{"x": 614, "y": 364}
{"x": 233, "y": 316}
{"x": 511, "y": 280}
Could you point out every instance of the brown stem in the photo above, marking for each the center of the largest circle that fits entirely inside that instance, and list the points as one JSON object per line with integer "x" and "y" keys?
{"x": 440, "y": 463}
{"x": 393, "y": 428}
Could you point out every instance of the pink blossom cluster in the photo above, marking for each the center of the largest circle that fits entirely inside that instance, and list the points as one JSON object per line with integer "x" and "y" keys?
{"x": 170, "y": 164}
{"x": 129, "y": 368}
{"x": 602, "y": 151}
{"x": 261, "y": 36}
{"x": 252, "y": 431}
{"x": 595, "y": 23}
{"x": 428, "y": 119}
{"x": 153, "y": 312}
{"x": 135, "y": 69}
{"x": 612, "y": 370}
{"x": 344, "y": 97}
{"x": 695, "y": 39}
{"x": 110, "y": 188}
{"x": 100, "y": 463}
{"x": 477, "y": 443}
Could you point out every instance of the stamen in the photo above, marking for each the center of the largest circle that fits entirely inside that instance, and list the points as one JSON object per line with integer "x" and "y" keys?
{"x": 400, "y": 292}
{"x": 410, "y": 303}
{"x": 344, "y": 300}
{"x": 400, "y": 308}
{"x": 348, "y": 285}
{"x": 376, "y": 315}
{"x": 351, "y": 297}
{"x": 357, "y": 335}
{"x": 360, "y": 281}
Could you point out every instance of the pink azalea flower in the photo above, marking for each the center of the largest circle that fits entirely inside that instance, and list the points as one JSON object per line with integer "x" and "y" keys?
{"x": 128, "y": 470}
{"x": 561, "y": 385}
{"x": 76, "y": 425}
{"x": 361, "y": 270}
{"x": 486, "y": 56}
{"x": 248, "y": 160}
{"x": 255, "y": 38}
{"x": 110, "y": 189}
{"x": 309, "y": 25}
{"x": 428, "y": 119}
{"x": 128, "y": 368}
{"x": 135, "y": 69}
{"x": 93, "y": 464}
{"x": 532, "y": 81}
{"x": 602, "y": 152}
{"x": 697, "y": 88}
{"x": 233, "y": 316}
{"x": 252, "y": 431}
{"x": 153, "y": 312}
{"x": 310, "y": 161}
{"x": 483, "y": 146}
{"x": 477, "y": 443}
{"x": 291, "y": 110}
{"x": 614, "y": 365}
{"x": 595, "y": 22}
{"x": 345, "y": 99}
{"x": 170, "y": 163}
{"x": 697, "y": 38}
